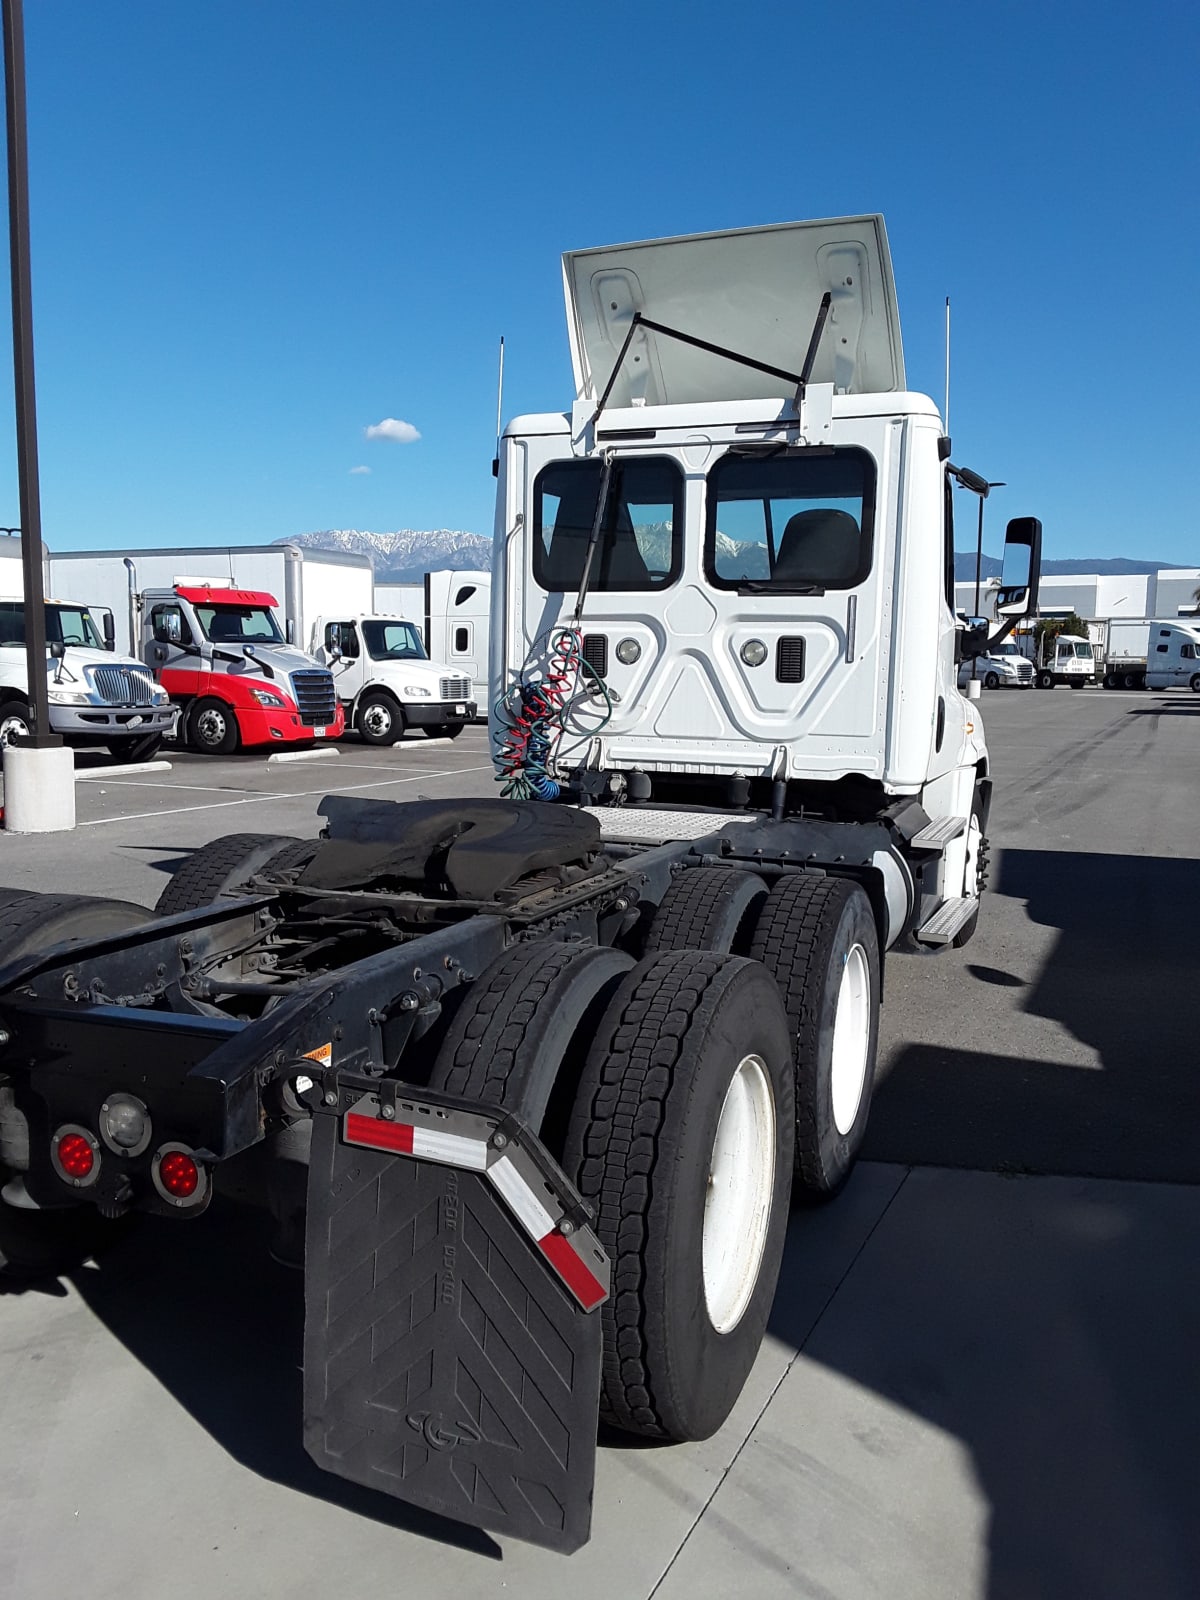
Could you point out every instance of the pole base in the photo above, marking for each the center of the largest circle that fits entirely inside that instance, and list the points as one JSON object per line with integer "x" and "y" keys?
{"x": 39, "y": 789}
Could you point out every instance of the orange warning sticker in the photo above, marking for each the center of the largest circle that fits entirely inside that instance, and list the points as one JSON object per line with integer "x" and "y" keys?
{"x": 322, "y": 1055}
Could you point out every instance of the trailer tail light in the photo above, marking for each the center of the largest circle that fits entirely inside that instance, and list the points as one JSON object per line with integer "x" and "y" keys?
{"x": 75, "y": 1155}
{"x": 179, "y": 1178}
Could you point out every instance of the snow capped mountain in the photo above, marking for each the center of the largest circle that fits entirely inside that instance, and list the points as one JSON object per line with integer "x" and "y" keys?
{"x": 406, "y": 555}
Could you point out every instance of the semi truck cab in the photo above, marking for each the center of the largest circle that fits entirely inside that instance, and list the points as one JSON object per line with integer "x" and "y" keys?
{"x": 221, "y": 655}
{"x": 386, "y": 683}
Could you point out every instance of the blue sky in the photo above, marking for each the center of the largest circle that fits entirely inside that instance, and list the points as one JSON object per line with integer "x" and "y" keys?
{"x": 261, "y": 226}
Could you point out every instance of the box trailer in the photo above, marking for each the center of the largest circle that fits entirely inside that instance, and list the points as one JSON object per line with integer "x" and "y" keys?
{"x": 453, "y": 610}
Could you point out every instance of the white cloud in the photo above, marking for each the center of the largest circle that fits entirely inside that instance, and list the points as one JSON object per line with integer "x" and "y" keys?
{"x": 360, "y": 472}
{"x": 392, "y": 428}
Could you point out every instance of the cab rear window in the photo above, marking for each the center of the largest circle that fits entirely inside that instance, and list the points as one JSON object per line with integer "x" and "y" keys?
{"x": 641, "y": 533}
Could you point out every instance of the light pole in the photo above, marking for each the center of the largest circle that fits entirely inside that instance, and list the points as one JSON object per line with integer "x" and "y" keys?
{"x": 39, "y": 770}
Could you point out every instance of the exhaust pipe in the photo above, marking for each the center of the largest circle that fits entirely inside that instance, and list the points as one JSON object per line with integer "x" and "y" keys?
{"x": 133, "y": 609}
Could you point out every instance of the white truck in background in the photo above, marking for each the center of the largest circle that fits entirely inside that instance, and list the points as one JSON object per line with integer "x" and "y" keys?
{"x": 453, "y": 610}
{"x": 1066, "y": 658}
{"x": 385, "y": 681}
{"x": 1152, "y": 653}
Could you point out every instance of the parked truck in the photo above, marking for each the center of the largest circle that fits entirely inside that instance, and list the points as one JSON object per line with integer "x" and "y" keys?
{"x": 526, "y": 1081}
{"x": 95, "y": 697}
{"x": 1151, "y": 653}
{"x": 1064, "y": 658}
{"x": 453, "y": 610}
{"x": 386, "y": 682}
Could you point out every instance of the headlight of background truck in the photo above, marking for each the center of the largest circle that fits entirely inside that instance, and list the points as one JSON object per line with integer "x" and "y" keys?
{"x": 416, "y": 691}
{"x": 265, "y": 697}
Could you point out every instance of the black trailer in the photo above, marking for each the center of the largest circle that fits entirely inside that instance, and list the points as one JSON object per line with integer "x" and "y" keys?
{"x": 526, "y": 1099}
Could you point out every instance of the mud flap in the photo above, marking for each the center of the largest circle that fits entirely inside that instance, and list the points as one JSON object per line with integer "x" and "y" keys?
{"x": 452, "y": 1341}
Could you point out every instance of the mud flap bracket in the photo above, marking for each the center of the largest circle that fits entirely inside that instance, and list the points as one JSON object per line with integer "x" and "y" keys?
{"x": 451, "y": 1346}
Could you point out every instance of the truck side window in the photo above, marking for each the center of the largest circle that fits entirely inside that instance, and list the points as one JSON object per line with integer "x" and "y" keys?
{"x": 1161, "y": 649}
{"x": 168, "y": 626}
{"x": 464, "y": 594}
{"x": 1188, "y": 652}
{"x": 462, "y": 640}
{"x": 342, "y": 636}
{"x": 12, "y": 622}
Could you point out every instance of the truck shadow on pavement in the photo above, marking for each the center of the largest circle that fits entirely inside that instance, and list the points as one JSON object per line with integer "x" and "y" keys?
{"x": 220, "y": 1325}
{"x": 1049, "y": 1326}
{"x": 1117, "y": 979}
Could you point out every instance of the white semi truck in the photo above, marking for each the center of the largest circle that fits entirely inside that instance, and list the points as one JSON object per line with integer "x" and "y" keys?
{"x": 453, "y": 610}
{"x": 1151, "y": 653}
{"x": 386, "y": 682}
{"x": 528, "y": 1080}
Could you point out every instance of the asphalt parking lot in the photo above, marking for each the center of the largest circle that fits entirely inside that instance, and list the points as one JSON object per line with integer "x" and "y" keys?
{"x": 980, "y": 1375}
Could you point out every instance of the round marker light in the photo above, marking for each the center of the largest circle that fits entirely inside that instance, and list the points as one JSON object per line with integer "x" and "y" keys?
{"x": 754, "y": 652}
{"x": 628, "y": 651}
{"x": 125, "y": 1124}
{"x": 179, "y": 1174}
{"x": 76, "y": 1156}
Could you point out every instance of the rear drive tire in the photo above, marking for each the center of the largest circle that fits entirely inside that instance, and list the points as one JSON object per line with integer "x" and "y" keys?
{"x": 1195, "y": 683}
{"x": 707, "y": 908}
{"x": 219, "y": 868}
{"x": 143, "y": 749}
{"x": 379, "y": 719}
{"x": 212, "y": 728}
{"x": 34, "y": 922}
{"x": 444, "y": 730}
{"x": 817, "y": 937}
{"x": 514, "y": 1033}
{"x": 681, "y": 1138}
{"x": 1045, "y": 680}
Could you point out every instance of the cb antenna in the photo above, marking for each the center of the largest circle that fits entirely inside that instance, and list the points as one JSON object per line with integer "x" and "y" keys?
{"x": 499, "y": 395}
{"x": 946, "y": 418}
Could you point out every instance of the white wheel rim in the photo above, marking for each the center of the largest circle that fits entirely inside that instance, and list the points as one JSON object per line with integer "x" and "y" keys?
{"x": 10, "y": 728}
{"x": 737, "y": 1206}
{"x": 377, "y": 719}
{"x": 851, "y": 1039}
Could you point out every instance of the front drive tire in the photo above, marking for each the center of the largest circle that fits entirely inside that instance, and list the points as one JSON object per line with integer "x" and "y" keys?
{"x": 221, "y": 867}
{"x": 1195, "y": 684}
{"x": 129, "y": 750}
{"x": 379, "y": 719}
{"x": 681, "y": 1139}
{"x": 212, "y": 728}
{"x": 992, "y": 681}
{"x": 1045, "y": 680}
{"x": 14, "y": 719}
{"x": 818, "y": 939}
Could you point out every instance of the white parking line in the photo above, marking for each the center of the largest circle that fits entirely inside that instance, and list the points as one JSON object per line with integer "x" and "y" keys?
{"x": 203, "y": 788}
{"x": 303, "y": 794}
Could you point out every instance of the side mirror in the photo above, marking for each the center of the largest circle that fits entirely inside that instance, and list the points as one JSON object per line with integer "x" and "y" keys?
{"x": 973, "y": 640}
{"x": 57, "y": 649}
{"x": 158, "y": 653}
{"x": 1018, "y": 592}
{"x": 110, "y": 632}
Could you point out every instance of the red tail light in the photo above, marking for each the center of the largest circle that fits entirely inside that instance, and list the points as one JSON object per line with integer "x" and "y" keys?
{"x": 180, "y": 1179}
{"x": 75, "y": 1155}
{"x": 179, "y": 1174}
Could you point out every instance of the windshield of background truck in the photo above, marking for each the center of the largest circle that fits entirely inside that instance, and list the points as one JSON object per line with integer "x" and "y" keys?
{"x": 789, "y": 522}
{"x": 64, "y": 624}
{"x": 393, "y": 641}
{"x": 640, "y": 544}
{"x": 238, "y": 624}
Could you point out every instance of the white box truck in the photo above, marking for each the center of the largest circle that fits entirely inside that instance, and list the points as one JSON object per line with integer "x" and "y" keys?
{"x": 385, "y": 681}
{"x": 1152, "y": 653}
{"x": 453, "y": 611}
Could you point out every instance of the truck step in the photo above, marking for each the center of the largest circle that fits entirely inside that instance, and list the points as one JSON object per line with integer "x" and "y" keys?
{"x": 937, "y": 834}
{"x": 947, "y": 920}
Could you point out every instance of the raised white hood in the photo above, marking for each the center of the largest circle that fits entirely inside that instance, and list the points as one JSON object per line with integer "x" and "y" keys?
{"x": 753, "y": 290}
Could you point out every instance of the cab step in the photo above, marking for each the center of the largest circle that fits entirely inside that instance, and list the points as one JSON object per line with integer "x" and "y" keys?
{"x": 949, "y": 918}
{"x": 936, "y": 835}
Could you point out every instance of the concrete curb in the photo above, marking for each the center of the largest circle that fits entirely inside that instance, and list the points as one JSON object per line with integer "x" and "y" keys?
{"x": 121, "y": 768}
{"x": 303, "y": 755}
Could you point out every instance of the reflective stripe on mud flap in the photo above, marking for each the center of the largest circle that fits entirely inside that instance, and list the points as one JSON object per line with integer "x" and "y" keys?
{"x": 572, "y": 1250}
